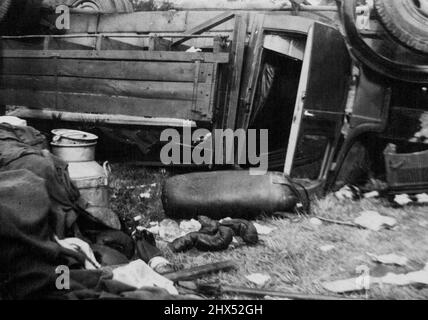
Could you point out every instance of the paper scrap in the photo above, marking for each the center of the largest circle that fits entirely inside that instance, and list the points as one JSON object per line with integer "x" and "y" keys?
{"x": 263, "y": 230}
{"x": 258, "y": 278}
{"x": 374, "y": 221}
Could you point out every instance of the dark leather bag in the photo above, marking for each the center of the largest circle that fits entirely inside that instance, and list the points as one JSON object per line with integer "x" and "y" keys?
{"x": 221, "y": 194}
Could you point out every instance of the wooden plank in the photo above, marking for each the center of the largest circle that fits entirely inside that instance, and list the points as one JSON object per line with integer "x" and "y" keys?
{"x": 131, "y": 70}
{"x": 160, "y": 21}
{"x": 59, "y": 44}
{"x": 221, "y": 57}
{"x": 242, "y": 5}
{"x": 199, "y": 271}
{"x": 118, "y": 44}
{"x": 146, "y": 22}
{"x": 290, "y": 46}
{"x": 291, "y": 24}
{"x": 237, "y": 66}
{"x": 159, "y": 44}
{"x": 249, "y": 77}
{"x": 9, "y": 44}
{"x": 141, "y": 89}
{"x": 207, "y": 25}
{"x": 118, "y": 119}
{"x": 101, "y": 104}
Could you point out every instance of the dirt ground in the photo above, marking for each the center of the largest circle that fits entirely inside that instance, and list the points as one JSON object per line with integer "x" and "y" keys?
{"x": 291, "y": 254}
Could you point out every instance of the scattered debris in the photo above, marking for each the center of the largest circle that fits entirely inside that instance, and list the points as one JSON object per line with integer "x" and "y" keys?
{"x": 160, "y": 265}
{"x": 402, "y": 199}
{"x": 235, "y": 242}
{"x": 315, "y": 221}
{"x": 327, "y": 248}
{"x": 138, "y": 274}
{"x": 372, "y": 220}
{"x": 364, "y": 283}
{"x": 258, "y": 278}
{"x": 423, "y": 224}
{"x": 339, "y": 222}
{"x": 14, "y": 121}
{"x": 344, "y": 286}
{"x": 348, "y": 193}
{"x": 188, "y": 226}
{"x": 169, "y": 230}
{"x": 411, "y": 278}
{"x": 389, "y": 259}
{"x": 138, "y": 218}
{"x": 193, "y": 49}
{"x": 371, "y": 195}
{"x": 263, "y": 230}
{"x": 146, "y": 195}
{"x": 422, "y": 198}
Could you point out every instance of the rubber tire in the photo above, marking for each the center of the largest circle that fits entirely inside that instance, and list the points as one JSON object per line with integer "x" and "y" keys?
{"x": 405, "y": 22}
{"x": 116, "y": 6}
{"x": 4, "y": 7}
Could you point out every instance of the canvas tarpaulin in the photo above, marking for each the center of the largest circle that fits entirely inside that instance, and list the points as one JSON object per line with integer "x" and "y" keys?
{"x": 38, "y": 201}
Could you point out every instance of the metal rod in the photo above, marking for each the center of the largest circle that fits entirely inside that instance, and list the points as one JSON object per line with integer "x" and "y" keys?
{"x": 279, "y": 294}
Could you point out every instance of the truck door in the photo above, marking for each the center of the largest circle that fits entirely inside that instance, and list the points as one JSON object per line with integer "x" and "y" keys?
{"x": 320, "y": 104}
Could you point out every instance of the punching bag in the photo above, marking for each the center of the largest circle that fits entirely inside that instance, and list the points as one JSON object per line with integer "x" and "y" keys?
{"x": 221, "y": 194}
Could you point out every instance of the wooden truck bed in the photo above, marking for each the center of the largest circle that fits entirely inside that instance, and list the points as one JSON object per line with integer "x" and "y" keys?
{"x": 123, "y": 78}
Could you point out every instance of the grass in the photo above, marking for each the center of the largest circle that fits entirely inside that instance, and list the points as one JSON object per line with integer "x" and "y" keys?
{"x": 291, "y": 254}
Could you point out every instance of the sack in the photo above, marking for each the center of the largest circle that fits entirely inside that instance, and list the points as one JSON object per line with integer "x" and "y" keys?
{"x": 235, "y": 194}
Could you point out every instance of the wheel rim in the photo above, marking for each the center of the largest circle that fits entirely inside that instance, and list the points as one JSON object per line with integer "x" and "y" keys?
{"x": 421, "y": 6}
{"x": 88, "y": 6}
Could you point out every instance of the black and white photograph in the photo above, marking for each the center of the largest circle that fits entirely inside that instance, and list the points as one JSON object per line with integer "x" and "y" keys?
{"x": 218, "y": 156}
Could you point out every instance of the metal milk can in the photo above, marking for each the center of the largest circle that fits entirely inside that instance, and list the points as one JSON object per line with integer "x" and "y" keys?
{"x": 77, "y": 148}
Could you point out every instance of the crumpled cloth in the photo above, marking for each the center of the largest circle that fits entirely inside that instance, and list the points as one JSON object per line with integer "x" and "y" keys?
{"x": 23, "y": 148}
{"x": 29, "y": 255}
{"x": 78, "y": 245}
{"x": 215, "y": 236}
{"x": 242, "y": 228}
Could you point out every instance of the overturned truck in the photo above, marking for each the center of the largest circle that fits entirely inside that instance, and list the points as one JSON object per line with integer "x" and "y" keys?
{"x": 321, "y": 81}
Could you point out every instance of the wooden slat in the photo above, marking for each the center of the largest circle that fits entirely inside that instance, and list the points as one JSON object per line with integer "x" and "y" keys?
{"x": 251, "y": 70}
{"x": 141, "y": 89}
{"x": 135, "y": 70}
{"x": 26, "y": 113}
{"x": 221, "y": 57}
{"x": 146, "y": 22}
{"x": 237, "y": 66}
{"x": 205, "y": 26}
{"x": 101, "y": 104}
{"x": 117, "y": 44}
{"x": 9, "y": 44}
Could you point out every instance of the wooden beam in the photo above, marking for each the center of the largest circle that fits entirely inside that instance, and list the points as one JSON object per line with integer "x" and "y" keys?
{"x": 116, "y": 119}
{"x": 199, "y": 271}
{"x": 139, "y": 89}
{"x": 102, "y": 104}
{"x": 238, "y": 48}
{"x": 221, "y": 57}
{"x": 212, "y": 23}
{"x": 113, "y": 70}
{"x": 240, "y": 5}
